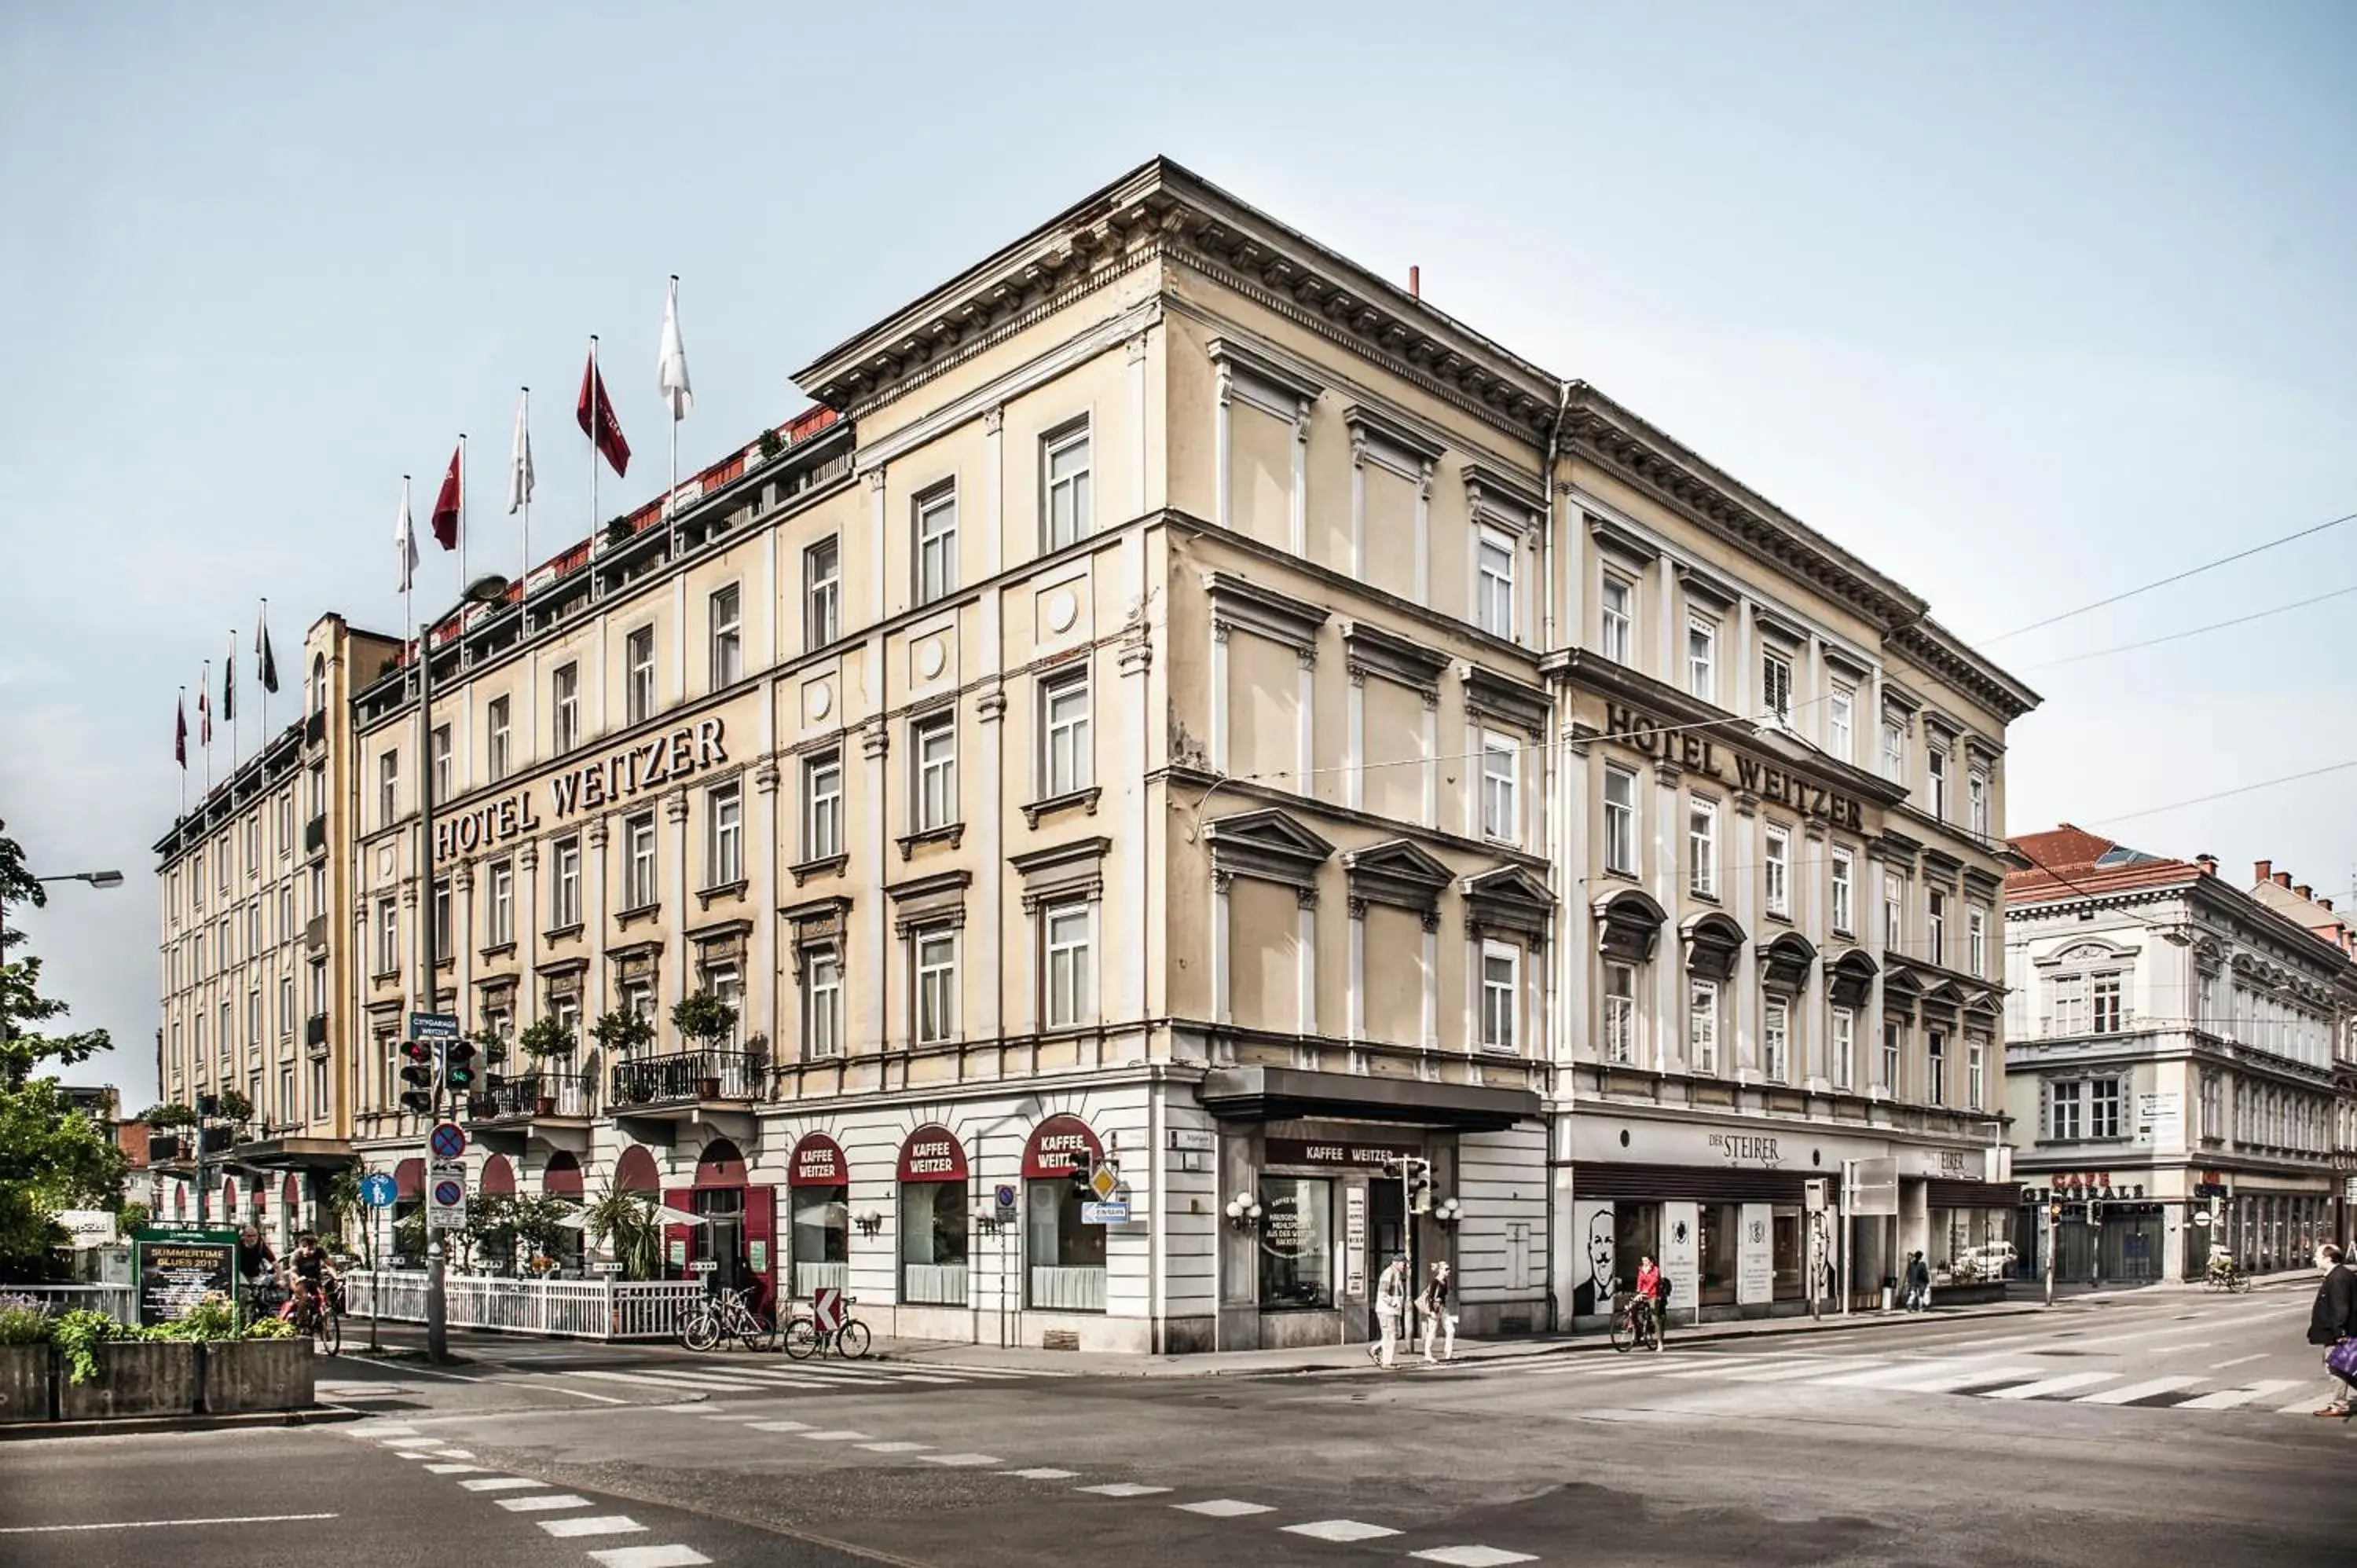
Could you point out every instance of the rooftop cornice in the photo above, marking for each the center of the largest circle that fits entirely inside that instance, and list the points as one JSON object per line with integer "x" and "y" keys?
{"x": 1940, "y": 650}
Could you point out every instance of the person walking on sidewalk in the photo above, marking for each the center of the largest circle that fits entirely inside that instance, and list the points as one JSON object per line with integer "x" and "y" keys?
{"x": 1918, "y": 1283}
{"x": 1434, "y": 1308}
{"x": 1391, "y": 1304}
{"x": 2332, "y": 1324}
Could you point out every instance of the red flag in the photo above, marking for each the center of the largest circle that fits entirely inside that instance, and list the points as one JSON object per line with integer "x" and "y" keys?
{"x": 205, "y": 707}
{"x": 595, "y": 412}
{"x": 445, "y": 508}
{"x": 180, "y": 732}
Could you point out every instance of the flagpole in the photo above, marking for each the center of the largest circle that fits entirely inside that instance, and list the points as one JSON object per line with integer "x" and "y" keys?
{"x": 205, "y": 693}
{"x": 670, "y": 489}
{"x": 595, "y": 387}
{"x": 408, "y": 572}
{"x": 180, "y": 723}
{"x": 524, "y": 577}
{"x": 462, "y": 523}
{"x": 228, "y": 699}
{"x": 262, "y": 628}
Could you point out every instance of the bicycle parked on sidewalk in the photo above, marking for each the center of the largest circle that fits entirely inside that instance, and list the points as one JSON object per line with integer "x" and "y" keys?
{"x": 1638, "y": 1322}
{"x": 726, "y": 1315}
{"x": 804, "y": 1337}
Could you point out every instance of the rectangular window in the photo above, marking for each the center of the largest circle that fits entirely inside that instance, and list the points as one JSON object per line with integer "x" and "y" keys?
{"x": 1975, "y": 1074}
{"x": 1493, "y": 583}
{"x": 1778, "y": 870}
{"x": 442, "y": 952}
{"x": 197, "y": 956}
{"x": 1894, "y": 912}
{"x": 565, "y": 707}
{"x": 441, "y": 754}
{"x": 727, "y": 639}
{"x": 937, "y": 530}
{"x": 724, "y": 845}
{"x": 823, "y": 1003}
{"x": 1702, "y": 1025}
{"x": 495, "y": 717}
{"x": 1067, "y": 759}
{"x": 1845, "y": 892}
{"x": 1776, "y": 686}
{"x": 1935, "y": 771}
{"x": 937, "y": 990}
{"x": 1894, "y": 752}
{"x": 638, "y": 868}
{"x": 821, "y": 593}
{"x": 2062, "y": 1111}
{"x": 1844, "y": 1049}
{"x": 1297, "y": 1243}
{"x": 1071, "y": 976}
{"x": 1500, "y": 769}
{"x": 253, "y": 1019}
{"x": 1620, "y": 1014}
{"x": 1064, "y": 472}
{"x": 1702, "y": 659}
{"x": 1615, "y": 597}
{"x": 1976, "y": 803}
{"x": 1894, "y": 1042}
{"x": 254, "y": 845}
{"x": 2068, "y": 999}
{"x": 388, "y": 802}
{"x": 1841, "y": 708}
{"x": 286, "y": 1005}
{"x": 1620, "y": 820}
{"x": 1935, "y": 926}
{"x": 564, "y": 885}
{"x": 1501, "y": 996}
{"x": 1935, "y": 1067}
{"x": 320, "y": 1109}
{"x": 2106, "y": 1015}
{"x": 1702, "y": 847}
{"x": 822, "y": 806}
{"x": 1977, "y": 943}
{"x": 1776, "y": 1040}
{"x": 498, "y": 905}
{"x": 936, "y": 795}
{"x": 388, "y": 937}
{"x": 639, "y": 675}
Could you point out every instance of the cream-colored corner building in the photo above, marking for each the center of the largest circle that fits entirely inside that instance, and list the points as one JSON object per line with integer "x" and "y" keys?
{"x": 1181, "y": 701}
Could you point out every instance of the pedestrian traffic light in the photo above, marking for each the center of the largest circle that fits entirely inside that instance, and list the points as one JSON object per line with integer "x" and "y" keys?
{"x": 2054, "y": 1214}
{"x": 1419, "y": 1189}
{"x": 2094, "y": 1211}
{"x": 417, "y": 1074}
{"x": 458, "y": 1065}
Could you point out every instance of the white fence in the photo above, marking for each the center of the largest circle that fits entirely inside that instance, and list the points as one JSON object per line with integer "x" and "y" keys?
{"x": 118, "y": 1302}
{"x": 581, "y": 1309}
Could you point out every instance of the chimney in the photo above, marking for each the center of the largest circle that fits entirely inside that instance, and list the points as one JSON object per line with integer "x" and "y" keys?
{"x": 2208, "y": 863}
{"x": 2304, "y": 890}
{"x": 2325, "y": 904}
{"x": 2283, "y": 878}
{"x": 2264, "y": 872}
{"x": 1416, "y": 282}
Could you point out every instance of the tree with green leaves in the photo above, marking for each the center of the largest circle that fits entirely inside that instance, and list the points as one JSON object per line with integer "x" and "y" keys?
{"x": 704, "y": 1018}
{"x": 52, "y": 1157}
{"x": 623, "y": 1032}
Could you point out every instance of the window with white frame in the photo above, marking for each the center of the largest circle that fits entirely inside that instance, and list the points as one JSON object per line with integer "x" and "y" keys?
{"x": 724, "y": 860}
{"x": 2067, "y": 1004}
{"x": 1935, "y": 772}
{"x": 565, "y": 885}
{"x": 1894, "y": 752}
{"x": 821, "y": 1002}
{"x": 936, "y": 551}
{"x": 1501, "y": 965}
{"x": 388, "y": 937}
{"x": 1894, "y": 1045}
{"x": 444, "y": 948}
{"x": 1620, "y": 820}
{"x": 388, "y": 805}
{"x": 285, "y": 1003}
{"x": 639, "y": 674}
{"x": 1064, "y": 473}
{"x": 1935, "y": 925}
{"x": 1493, "y": 583}
{"x": 1776, "y": 870}
{"x": 1975, "y": 1073}
{"x": 822, "y": 806}
{"x": 1620, "y": 1018}
{"x": 565, "y": 707}
{"x": 1844, "y": 911}
{"x": 1842, "y": 1048}
{"x": 1776, "y": 685}
{"x": 2104, "y": 1016}
{"x": 1066, "y": 758}
{"x": 1776, "y": 1040}
{"x": 1894, "y": 912}
{"x": 1702, "y": 847}
{"x": 638, "y": 863}
{"x": 1068, "y": 940}
{"x": 1615, "y": 600}
{"x": 1702, "y": 1025}
{"x": 821, "y": 593}
{"x": 499, "y": 903}
{"x": 935, "y": 799}
{"x": 1976, "y": 803}
{"x": 1935, "y": 1067}
{"x": 1501, "y": 794}
{"x": 727, "y": 637}
{"x": 937, "y": 988}
{"x": 1702, "y": 657}
{"x": 2062, "y": 1111}
{"x": 1977, "y": 941}
{"x": 502, "y": 749}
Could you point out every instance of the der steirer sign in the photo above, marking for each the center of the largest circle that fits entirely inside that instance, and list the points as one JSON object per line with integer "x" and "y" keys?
{"x": 636, "y": 769}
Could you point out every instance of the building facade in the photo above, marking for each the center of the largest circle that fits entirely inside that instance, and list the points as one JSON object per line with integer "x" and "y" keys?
{"x": 2299, "y": 902}
{"x": 2174, "y": 1044}
{"x": 1182, "y": 704}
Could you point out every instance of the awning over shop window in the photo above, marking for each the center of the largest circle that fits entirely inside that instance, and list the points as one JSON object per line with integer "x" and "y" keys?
{"x": 409, "y": 1179}
{"x": 1269, "y": 1094}
{"x": 933, "y": 1153}
{"x": 499, "y": 1178}
{"x": 817, "y": 1162}
{"x": 1057, "y": 1147}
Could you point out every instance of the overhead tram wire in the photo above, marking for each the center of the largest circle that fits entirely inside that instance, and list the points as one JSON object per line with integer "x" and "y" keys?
{"x": 2195, "y": 631}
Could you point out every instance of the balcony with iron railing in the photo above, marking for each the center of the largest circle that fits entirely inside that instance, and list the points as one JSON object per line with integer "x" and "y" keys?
{"x": 315, "y": 1031}
{"x": 315, "y": 834}
{"x": 687, "y": 1078}
{"x": 539, "y": 1094}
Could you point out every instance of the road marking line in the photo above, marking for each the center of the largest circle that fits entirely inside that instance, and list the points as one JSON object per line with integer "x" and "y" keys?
{"x": 1946, "y": 1382}
{"x": 505, "y": 1484}
{"x": 1042, "y": 1473}
{"x": 2135, "y": 1392}
{"x": 388, "y": 1429}
{"x": 925, "y": 1378}
{"x": 895, "y": 1447}
{"x": 1338, "y": 1529}
{"x": 1472, "y": 1556}
{"x": 2178, "y": 1345}
{"x": 1223, "y": 1508}
{"x": 406, "y": 1453}
{"x": 455, "y": 1452}
{"x": 2061, "y": 1385}
{"x": 840, "y": 1434}
{"x": 1122, "y": 1489}
{"x": 1765, "y": 1366}
{"x": 649, "y": 1557}
{"x": 1838, "y": 1372}
{"x": 963, "y": 1460}
{"x": 163, "y": 1523}
{"x": 1904, "y": 1372}
{"x": 549, "y": 1504}
{"x": 2238, "y": 1361}
{"x": 559, "y": 1388}
{"x": 600, "y": 1524}
{"x": 778, "y": 1426}
{"x": 454, "y": 1469}
{"x": 2228, "y": 1399}
{"x": 729, "y": 1385}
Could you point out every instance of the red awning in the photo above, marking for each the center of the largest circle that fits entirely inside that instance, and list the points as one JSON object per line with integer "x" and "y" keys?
{"x": 933, "y": 1153}
{"x": 1057, "y": 1147}
{"x": 498, "y": 1177}
{"x": 635, "y": 1171}
{"x": 721, "y": 1164}
{"x": 817, "y": 1162}
{"x": 409, "y": 1179}
{"x": 290, "y": 1191}
{"x": 562, "y": 1177}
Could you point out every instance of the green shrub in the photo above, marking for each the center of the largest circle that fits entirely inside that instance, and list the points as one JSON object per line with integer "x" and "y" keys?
{"x": 78, "y": 1335}
{"x": 23, "y": 1326}
{"x": 268, "y": 1328}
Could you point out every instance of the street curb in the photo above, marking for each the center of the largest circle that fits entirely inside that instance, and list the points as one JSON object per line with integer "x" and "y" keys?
{"x": 136, "y": 1426}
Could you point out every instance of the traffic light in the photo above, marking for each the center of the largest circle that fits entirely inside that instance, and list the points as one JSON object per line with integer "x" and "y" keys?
{"x": 417, "y": 1074}
{"x": 1419, "y": 1189}
{"x": 2094, "y": 1211}
{"x": 458, "y": 1066}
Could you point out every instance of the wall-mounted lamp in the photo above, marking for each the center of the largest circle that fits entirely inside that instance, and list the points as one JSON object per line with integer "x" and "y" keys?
{"x": 1446, "y": 1211}
{"x": 1243, "y": 1211}
{"x": 868, "y": 1223}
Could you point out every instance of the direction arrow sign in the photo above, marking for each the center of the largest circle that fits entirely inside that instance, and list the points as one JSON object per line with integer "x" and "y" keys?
{"x": 1104, "y": 1213}
{"x": 826, "y": 1307}
{"x": 379, "y": 1190}
{"x": 447, "y": 1142}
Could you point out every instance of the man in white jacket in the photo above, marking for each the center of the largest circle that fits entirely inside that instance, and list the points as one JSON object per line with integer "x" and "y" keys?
{"x": 1391, "y": 1306}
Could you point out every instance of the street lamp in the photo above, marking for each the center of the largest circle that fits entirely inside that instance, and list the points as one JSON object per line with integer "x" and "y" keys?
{"x": 95, "y": 878}
{"x": 485, "y": 590}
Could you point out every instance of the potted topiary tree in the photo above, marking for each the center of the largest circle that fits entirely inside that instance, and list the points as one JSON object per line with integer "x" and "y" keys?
{"x": 707, "y": 1020}
{"x": 622, "y": 1033}
{"x": 548, "y": 1038}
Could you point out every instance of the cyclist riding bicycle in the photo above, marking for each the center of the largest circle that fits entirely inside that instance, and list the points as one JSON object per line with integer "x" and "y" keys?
{"x": 1649, "y": 1289}
{"x": 257, "y": 1265}
{"x": 309, "y": 1275}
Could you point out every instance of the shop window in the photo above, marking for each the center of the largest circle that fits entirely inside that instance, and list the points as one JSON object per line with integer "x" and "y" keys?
{"x": 1296, "y": 1249}
{"x": 1787, "y": 1253}
{"x": 822, "y": 1237}
{"x": 933, "y": 1231}
{"x": 1636, "y": 1236}
{"x": 1721, "y": 1224}
{"x": 1066, "y": 1255}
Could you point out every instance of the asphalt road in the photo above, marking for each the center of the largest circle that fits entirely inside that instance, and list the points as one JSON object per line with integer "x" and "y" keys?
{"x": 2150, "y": 1431}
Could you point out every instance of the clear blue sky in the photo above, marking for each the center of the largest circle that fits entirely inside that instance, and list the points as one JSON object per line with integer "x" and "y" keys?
{"x": 2024, "y": 303}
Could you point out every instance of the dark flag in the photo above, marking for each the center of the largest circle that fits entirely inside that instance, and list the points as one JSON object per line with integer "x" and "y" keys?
{"x": 595, "y": 414}
{"x": 445, "y": 507}
{"x": 180, "y": 731}
{"x": 262, "y": 651}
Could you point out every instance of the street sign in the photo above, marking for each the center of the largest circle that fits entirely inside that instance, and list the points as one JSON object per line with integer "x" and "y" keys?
{"x": 447, "y": 1142}
{"x": 379, "y": 1190}
{"x": 1005, "y": 1193}
{"x": 701, "y": 1266}
{"x": 1871, "y": 1190}
{"x": 1104, "y": 1213}
{"x": 1103, "y": 1180}
{"x": 606, "y": 1268}
{"x": 826, "y": 1308}
{"x": 446, "y": 1196}
{"x": 433, "y": 1026}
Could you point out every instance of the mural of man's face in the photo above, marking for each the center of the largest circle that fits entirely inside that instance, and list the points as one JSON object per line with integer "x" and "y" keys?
{"x": 1599, "y": 1247}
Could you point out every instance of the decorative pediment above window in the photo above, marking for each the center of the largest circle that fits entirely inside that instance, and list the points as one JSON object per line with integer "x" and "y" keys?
{"x": 1945, "y": 996}
{"x": 1378, "y": 437}
{"x": 1506, "y": 701}
{"x": 1980, "y": 1004}
{"x": 722, "y": 942}
{"x": 2089, "y": 952}
{"x": 1704, "y": 588}
{"x": 1712, "y": 942}
{"x": 1778, "y": 627}
{"x": 1373, "y": 650}
{"x": 938, "y": 900}
{"x": 635, "y": 963}
{"x": 1784, "y": 963}
{"x": 1631, "y": 547}
{"x": 1901, "y": 990}
{"x": 1508, "y": 901}
{"x": 1267, "y": 845}
{"x": 1628, "y": 926}
{"x": 1982, "y": 885}
{"x": 1251, "y": 608}
{"x": 1062, "y": 873}
{"x": 1502, "y": 499}
{"x": 1258, "y": 378}
{"x": 1397, "y": 873}
{"x": 497, "y": 989}
{"x": 819, "y": 919}
{"x": 1849, "y": 979}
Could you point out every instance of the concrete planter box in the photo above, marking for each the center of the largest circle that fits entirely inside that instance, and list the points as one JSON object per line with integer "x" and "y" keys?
{"x": 257, "y": 1374}
{"x": 136, "y": 1379}
{"x": 25, "y": 1377}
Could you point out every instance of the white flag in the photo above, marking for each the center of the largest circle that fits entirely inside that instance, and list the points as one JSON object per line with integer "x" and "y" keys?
{"x": 670, "y": 374}
{"x": 519, "y": 460}
{"x": 404, "y": 539}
